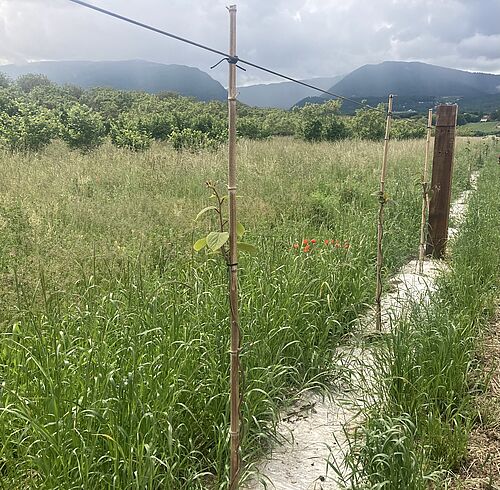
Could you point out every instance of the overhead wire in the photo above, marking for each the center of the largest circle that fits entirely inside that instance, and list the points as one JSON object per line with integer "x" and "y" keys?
{"x": 226, "y": 56}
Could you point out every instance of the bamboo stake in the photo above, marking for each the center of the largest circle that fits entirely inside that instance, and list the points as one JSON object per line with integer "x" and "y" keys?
{"x": 425, "y": 195}
{"x": 380, "y": 224}
{"x": 233, "y": 264}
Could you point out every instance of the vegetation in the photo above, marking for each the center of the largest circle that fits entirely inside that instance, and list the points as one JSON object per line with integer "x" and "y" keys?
{"x": 114, "y": 362}
{"x": 35, "y": 112}
{"x": 480, "y": 129}
{"x": 426, "y": 368}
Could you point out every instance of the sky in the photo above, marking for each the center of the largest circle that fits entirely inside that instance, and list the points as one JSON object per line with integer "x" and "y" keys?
{"x": 302, "y": 38}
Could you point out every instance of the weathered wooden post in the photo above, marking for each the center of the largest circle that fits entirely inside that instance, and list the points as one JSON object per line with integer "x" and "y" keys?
{"x": 233, "y": 263}
{"x": 442, "y": 169}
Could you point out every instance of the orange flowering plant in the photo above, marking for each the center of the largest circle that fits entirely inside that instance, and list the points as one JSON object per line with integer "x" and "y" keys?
{"x": 309, "y": 244}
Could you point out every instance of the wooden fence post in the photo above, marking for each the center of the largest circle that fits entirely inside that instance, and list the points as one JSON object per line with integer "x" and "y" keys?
{"x": 442, "y": 169}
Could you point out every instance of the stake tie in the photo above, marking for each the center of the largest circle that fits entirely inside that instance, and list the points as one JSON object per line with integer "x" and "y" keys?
{"x": 232, "y": 60}
{"x": 382, "y": 198}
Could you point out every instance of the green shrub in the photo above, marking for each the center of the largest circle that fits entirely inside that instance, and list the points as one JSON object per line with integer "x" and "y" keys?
{"x": 31, "y": 80}
{"x": 252, "y": 128}
{"x": 369, "y": 124}
{"x": 191, "y": 140}
{"x": 128, "y": 132}
{"x": 31, "y": 128}
{"x": 82, "y": 129}
{"x": 404, "y": 129}
{"x": 158, "y": 125}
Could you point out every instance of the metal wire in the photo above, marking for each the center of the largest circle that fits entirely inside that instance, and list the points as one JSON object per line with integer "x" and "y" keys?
{"x": 231, "y": 59}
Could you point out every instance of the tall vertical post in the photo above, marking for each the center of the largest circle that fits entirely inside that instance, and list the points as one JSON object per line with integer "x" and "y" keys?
{"x": 442, "y": 167}
{"x": 425, "y": 194}
{"x": 233, "y": 263}
{"x": 380, "y": 223}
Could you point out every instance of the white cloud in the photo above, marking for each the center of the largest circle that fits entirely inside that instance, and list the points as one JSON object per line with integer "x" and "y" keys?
{"x": 300, "y": 37}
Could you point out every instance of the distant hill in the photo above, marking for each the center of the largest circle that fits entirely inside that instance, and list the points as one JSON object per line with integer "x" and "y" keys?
{"x": 282, "y": 95}
{"x": 418, "y": 86}
{"x": 415, "y": 79}
{"x": 126, "y": 75}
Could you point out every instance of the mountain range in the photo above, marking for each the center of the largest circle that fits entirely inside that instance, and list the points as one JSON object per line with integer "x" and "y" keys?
{"x": 126, "y": 75}
{"x": 414, "y": 81}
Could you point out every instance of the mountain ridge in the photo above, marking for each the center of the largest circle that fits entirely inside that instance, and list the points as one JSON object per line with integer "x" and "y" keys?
{"x": 414, "y": 78}
{"x": 146, "y": 76}
{"x": 411, "y": 79}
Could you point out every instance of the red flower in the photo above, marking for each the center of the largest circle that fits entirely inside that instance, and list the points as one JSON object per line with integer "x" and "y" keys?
{"x": 313, "y": 241}
{"x": 326, "y": 242}
{"x": 307, "y": 248}
{"x": 305, "y": 241}
{"x": 295, "y": 245}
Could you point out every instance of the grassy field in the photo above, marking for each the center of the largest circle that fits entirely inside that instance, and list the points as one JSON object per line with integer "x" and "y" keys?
{"x": 114, "y": 359}
{"x": 483, "y": 126}
{"x": 480, "y": 128}
{"x": 427, "y": 368}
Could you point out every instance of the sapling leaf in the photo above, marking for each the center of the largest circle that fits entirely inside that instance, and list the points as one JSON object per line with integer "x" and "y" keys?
{"x": 240, "y": 230}
{"x": 216, "y": 239}
{"x": 247, "y": 247}
{"x": 205, "y": 210}
{"x": 200, "y": 244}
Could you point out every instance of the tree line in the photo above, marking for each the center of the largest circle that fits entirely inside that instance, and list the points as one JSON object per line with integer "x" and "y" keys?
{"x": 34, "y": 111}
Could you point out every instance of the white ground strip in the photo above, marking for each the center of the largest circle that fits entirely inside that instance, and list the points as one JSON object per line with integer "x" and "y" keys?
{"x": 313, "y": 432}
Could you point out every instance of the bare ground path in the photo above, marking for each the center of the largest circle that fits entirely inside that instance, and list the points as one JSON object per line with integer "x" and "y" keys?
{"x": 313, "y": 433}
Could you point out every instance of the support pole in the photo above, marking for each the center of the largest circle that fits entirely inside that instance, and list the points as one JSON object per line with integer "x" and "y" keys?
{"x": 425, "y": 194}
{"x": 442, "y": 168}
{"x": 233, "y": 264}
{"x": 380, "y": 225}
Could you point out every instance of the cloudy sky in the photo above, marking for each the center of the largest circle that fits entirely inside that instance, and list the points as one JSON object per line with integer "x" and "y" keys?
{"x": 303, "y": 38}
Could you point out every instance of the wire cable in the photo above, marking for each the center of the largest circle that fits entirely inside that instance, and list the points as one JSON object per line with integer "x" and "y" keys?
{"x": 230, "y": 59}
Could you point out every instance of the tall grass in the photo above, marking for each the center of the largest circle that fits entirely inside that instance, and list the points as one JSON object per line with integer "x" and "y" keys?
{"x": 114, "y": 361}
{"x": 427, "y": 366}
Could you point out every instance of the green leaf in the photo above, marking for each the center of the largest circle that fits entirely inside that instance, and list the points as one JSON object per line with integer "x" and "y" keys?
{"x": 216, "y": 239}
{"x": 247, "y": 247}
{"x": 205, "y": 210}
{"x": 240, "y": 230}
{"x": 200, "y": 244}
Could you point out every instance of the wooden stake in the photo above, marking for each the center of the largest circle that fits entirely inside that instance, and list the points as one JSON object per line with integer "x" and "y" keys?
{"x": 442, "y": 167}
{"x": 425, "y": 194}
{"x": 380, "y": 226}
{"x": 233, "y": 264}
